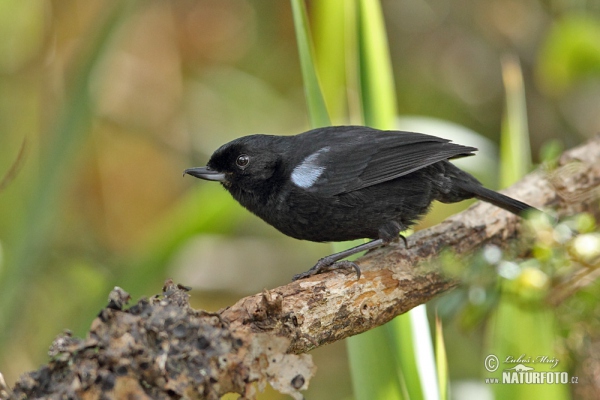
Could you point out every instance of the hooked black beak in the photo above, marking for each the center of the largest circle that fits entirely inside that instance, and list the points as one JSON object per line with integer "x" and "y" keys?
{"x": 205, "y": 173}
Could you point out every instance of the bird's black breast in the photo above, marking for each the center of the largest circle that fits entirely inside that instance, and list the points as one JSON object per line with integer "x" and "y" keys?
{"x": 355, "y": 215}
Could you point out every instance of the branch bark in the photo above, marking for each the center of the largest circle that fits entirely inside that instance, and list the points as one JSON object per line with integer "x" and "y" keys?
{"x": 160, "y": 348}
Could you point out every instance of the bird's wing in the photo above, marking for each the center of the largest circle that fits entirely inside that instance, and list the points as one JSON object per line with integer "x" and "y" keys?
{"x": 366, "y": 161}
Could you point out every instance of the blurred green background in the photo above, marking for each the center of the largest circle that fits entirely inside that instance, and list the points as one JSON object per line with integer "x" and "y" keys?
{"x": 104, "y": 103}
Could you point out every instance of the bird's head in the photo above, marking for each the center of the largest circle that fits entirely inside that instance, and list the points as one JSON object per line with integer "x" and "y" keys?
{"x": 245, "y": 164}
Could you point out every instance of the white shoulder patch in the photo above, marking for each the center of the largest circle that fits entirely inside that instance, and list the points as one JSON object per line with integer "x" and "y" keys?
{"x": 308, "y": 171}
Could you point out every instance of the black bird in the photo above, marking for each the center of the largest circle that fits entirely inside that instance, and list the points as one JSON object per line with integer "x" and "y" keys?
{"x": 345, "y": 182}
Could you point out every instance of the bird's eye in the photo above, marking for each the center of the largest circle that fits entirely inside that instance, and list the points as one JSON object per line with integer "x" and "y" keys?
{"x": 242, "y": 161}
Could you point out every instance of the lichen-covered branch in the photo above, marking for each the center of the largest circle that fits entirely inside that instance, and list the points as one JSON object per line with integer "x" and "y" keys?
{"x": 160, "y": 348}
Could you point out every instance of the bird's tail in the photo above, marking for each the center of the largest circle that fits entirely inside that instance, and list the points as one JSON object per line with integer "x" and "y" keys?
{"x": 498, "y": 199}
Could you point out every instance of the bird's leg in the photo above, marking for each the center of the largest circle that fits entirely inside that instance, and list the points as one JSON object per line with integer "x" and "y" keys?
{"x": 332, "y": 262}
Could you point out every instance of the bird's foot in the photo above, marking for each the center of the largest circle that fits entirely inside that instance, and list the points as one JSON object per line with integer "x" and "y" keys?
{"x": 324, "y": 265}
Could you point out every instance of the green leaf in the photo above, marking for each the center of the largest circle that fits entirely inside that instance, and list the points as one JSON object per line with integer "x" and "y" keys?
{"x": 515, "y": 152}
{"x": 373, "y": 368}
{"x": 441, "y": 360}
{"x": 410, "y": 338}
{"x": 395, "y": 361}
{"x": 330, "y": 25}
{"x": 317, "y": 110}
{"x": 378, "y": 94}
{"x": 408, "y": 342}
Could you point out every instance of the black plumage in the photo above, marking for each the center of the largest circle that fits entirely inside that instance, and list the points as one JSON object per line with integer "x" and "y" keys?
{"x": 345, "y": 182}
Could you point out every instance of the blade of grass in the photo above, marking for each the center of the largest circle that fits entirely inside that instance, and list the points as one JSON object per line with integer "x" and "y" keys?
{"x": 378, "y": 94}
{"x": 16, "y": 166}
{"x": 515, "y": 152}
{"x": 407, "y": 335}
{"x": 370, "y": 352}
{"x": 441, "y": 360}
{"x": 355, "y": 115}
{"x": 410, "y": 338}
{"x": 373, "y": 370}
{"x": 374, "y": 375}
{"x": 317, "y": 110}
{"x": 329, "y": 29}
{"x": 373, "y": 347}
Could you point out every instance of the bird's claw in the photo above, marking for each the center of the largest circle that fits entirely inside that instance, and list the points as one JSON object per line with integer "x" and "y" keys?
{"x": 344, "y": 264}
{"x": 323, "y": 266}
{"x": 404, "y": 240}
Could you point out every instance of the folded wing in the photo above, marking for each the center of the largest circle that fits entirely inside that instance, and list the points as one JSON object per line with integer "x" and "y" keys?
{"x": 353, "y": 163}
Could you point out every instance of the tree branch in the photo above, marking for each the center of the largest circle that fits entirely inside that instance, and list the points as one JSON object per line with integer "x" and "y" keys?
{"x": 160, "y": 348}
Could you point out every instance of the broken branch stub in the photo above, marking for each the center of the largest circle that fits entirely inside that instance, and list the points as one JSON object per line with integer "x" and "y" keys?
{"x": 160, "y": 348}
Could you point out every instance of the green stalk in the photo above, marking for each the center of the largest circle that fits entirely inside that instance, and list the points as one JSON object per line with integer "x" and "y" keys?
{"x": 317, "y": 110}
{"x": 378, "y": 93}
{"x": 409, "y": 343}
{"x": 384, "y": 362}
{"x": 515, "y": 151}
{"x": 441, "y": 360}
{"x": 330, "y": 31}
